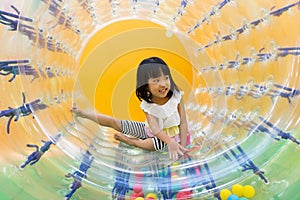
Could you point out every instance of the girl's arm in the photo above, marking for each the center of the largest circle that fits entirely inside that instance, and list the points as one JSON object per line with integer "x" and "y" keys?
{"x": 183, "y": 124}
{"x": 156, "y": 128}
{"x": 173, "y": 146}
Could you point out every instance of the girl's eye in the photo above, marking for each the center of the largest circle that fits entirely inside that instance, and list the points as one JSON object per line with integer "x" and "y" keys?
{"x": 154, "y": 80}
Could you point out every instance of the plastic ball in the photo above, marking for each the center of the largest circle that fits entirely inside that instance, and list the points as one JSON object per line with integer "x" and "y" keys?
{"x": 237, "y": 189}
{"x": 174, "y": 175}
{"x": 183, "y": 195}
{"x": 224, "y": 194}
{"x": 133, "y": 196}
{"x": 248, "y": 191}
{"x": 137, "y": 188}
{"x": 243, "y": 198}
{"x": 233, "y": 197}
{"x": 180, "y": 195}
{"x": 139, "y": 198}
{"x": 151, "y": 196}
{"x": 140, "y": 194}
{"x": 139, "y": 176}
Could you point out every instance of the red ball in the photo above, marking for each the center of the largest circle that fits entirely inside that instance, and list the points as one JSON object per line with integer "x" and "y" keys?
{"x": 137, "y": 188}
{"x": 139, "y": 176}
{"x": 140, "y": 194}
{"x": 183, "y": 195}
{"x": 133, "y": 196}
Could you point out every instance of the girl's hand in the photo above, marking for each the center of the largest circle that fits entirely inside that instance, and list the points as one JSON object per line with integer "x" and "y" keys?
{"x": 175, "y": 149}
{"x": 77, "y": 111}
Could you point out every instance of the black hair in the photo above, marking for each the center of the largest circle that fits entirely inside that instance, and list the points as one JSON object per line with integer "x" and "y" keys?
{"x": 151, "y": 68}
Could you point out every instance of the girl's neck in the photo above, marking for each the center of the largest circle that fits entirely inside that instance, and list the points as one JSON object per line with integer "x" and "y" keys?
{"x": 160, "y": 101}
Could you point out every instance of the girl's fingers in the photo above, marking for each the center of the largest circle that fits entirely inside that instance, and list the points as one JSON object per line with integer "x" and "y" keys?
{"x": 73, "y": 106}
{"x": 183, "y": 149}
{"x": 180, "y": 153}
{"x": 173, "y": 155}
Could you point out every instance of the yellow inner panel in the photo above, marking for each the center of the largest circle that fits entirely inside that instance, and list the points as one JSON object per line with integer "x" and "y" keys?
{"x": 110, "y": 59}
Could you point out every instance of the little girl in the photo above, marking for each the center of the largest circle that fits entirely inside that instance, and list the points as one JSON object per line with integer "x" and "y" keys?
{"x": 162, "y": 103}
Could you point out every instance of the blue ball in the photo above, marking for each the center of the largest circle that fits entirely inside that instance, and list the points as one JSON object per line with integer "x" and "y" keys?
{"x": 233, "y": 197}
{"x": 243, "y": 198}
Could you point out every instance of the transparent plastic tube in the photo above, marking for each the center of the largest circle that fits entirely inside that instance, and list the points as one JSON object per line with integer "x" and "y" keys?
{"x": 242, "y": 98}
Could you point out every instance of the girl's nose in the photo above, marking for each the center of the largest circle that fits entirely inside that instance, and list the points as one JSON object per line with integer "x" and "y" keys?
{"x": 163, "y": 83}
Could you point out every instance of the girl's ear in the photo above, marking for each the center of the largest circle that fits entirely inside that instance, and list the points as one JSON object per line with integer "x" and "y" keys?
{"x": 148, "y": 93}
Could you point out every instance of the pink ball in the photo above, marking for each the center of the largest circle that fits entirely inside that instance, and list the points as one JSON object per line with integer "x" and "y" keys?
{"x": 137, "y": 188}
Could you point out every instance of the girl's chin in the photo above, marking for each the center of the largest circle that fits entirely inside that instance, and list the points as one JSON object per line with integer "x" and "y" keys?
{"x": 164, "y": 93}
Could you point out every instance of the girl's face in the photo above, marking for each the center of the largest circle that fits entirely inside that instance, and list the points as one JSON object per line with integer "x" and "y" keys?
{"x": 159, "y": 88}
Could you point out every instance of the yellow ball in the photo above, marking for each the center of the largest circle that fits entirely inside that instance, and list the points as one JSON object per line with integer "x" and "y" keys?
{"x": 224, "y": 194}
{"x": 151, "y": 195}
{"x": 237, "y": 189}
{"x": 248, "y": 191}
{"x": 139, "y": 198}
